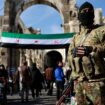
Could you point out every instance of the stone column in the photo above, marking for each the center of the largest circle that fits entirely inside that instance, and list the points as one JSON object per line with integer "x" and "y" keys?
{"x": 8, "y": 26}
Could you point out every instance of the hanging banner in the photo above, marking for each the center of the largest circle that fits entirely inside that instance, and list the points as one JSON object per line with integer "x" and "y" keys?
{"x": 35, "y": 40}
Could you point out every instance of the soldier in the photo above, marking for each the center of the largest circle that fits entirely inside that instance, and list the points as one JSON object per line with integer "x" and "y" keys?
{"x": 86, "y": 58}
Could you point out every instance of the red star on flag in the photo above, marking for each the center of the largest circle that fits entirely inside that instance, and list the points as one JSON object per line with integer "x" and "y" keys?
{"x": 56, "y": 42}
{"x": 17, "y": 40}
{"x": 36, "y": 41}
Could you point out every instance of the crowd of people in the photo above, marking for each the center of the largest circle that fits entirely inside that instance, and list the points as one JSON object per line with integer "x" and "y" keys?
{"x": 31, "y": 79}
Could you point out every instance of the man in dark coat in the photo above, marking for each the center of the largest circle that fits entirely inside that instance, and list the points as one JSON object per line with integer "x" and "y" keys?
{"x": 37, "y": 79}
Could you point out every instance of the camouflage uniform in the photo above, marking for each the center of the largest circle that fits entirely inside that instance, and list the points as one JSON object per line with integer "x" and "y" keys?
{"x": 89, "y": 80}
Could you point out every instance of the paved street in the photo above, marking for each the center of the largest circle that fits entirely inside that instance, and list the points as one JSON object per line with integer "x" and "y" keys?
{"x": 42, "y": 100}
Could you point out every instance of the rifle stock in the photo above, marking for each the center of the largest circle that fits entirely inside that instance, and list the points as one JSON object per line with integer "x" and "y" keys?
{"x": 67, "y": 92}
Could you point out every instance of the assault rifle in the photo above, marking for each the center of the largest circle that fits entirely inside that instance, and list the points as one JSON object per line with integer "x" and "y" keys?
{"x": 66, "y": 93}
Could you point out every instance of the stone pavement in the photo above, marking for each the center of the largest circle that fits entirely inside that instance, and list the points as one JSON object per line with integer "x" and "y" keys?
{"x": 44, "y": 99}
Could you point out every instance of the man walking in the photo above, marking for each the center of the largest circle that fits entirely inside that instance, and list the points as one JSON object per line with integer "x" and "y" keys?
{"x": 24, "y": 76}
{"x": 59, "y": 78}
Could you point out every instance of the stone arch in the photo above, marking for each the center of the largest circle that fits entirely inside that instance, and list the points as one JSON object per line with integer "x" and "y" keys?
{"x": 24, "y": 6}
{"x": 14, "y": 7}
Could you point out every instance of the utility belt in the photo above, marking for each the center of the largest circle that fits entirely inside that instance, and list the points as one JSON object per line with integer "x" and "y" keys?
{"x": 95, "y": 79}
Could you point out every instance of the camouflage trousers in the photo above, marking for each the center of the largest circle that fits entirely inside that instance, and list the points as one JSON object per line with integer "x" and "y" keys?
{"x": 89, "y": 93}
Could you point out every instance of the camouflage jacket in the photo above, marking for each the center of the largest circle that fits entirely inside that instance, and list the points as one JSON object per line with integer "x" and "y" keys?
{"x": 96, "y": 39}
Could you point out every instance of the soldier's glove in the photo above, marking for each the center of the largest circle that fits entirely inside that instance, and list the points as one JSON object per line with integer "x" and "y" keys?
{"x": 84, "y": 51}
{"x": 81, "y": 51}
{"x": 74, "y": 51}
{"x": 88, "y": 50}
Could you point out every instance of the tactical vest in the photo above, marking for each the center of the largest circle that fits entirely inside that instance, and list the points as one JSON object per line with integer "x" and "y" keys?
{"x": 92, "y": 66}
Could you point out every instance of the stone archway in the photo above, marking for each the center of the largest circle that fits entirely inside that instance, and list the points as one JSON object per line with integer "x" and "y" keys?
{"x": 38, "y": 10}
{"x": 13, "y": 8}
{"x": 51, "y": 58}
